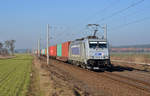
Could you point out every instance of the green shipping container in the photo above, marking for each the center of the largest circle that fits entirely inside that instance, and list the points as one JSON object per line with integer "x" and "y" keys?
{"x": 59, "y": 49}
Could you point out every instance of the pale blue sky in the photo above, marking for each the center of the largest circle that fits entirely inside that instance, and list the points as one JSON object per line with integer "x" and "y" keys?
{"x": 25, "y": 20}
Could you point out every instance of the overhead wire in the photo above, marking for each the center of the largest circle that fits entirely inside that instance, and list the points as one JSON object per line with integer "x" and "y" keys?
{"x": 120, "y": 11}
{"x": 133, "y": 22}
{"x": 101, "y": 10}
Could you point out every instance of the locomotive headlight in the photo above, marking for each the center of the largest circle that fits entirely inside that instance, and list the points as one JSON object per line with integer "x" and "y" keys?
{"x": 92, "y": 57}
{"x": 106, "y": 57}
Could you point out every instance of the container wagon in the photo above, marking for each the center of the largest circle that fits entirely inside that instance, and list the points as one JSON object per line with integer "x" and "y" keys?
{"x": 53, "y": 51}
{"x": 63, "y": 51}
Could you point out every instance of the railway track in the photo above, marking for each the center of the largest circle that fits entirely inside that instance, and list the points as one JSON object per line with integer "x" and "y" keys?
{"x": 139, "y": 84}
{"x": 120, "y": 78}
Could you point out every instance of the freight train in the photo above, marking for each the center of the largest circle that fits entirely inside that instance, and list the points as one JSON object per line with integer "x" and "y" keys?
{"x": 90, "y": 52}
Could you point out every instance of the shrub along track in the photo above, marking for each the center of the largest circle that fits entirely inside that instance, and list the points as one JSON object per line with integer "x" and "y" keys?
{"x": 98, "y": 83}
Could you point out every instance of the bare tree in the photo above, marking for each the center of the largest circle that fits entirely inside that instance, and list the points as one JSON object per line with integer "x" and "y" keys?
{"x": 5, "y": 51}
{"x": 10, "y": 44}
{"x": 7, "y": 44}
{"x": 1, "y": 47}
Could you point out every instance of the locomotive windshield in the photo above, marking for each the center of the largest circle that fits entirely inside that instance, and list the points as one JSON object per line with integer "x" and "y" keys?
{"x": 97, "y": 45}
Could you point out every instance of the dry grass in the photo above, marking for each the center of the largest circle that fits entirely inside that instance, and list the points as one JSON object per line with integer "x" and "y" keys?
{"x": 132, "y": 57}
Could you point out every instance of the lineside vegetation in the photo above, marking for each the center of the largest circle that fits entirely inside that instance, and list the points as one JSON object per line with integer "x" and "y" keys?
{"x": 132, "y": 57}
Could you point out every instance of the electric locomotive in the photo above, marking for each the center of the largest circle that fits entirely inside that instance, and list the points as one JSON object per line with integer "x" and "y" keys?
{"x": 90, "y": 52}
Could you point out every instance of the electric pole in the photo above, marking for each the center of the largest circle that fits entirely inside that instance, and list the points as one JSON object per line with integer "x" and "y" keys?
{"x": 47, "y": 44}
{"x": 39, "y": 48}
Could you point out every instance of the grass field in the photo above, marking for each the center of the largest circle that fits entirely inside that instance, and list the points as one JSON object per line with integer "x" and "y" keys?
{"x": 15, "y": 75}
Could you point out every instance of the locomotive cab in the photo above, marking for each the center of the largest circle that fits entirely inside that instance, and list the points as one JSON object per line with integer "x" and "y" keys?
{"x": 97, "y": 54}
{"x": 98, "y": 50}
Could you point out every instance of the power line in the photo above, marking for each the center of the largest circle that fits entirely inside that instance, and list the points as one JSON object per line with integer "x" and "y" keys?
{"x": 136, "y": 13}
{"x": 102, "y": 10}
{"x": 136, "y": 21}
{"x": 120, "y": 11}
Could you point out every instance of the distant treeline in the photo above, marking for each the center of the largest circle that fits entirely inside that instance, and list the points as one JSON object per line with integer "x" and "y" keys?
{"x": 131, "y": 48}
